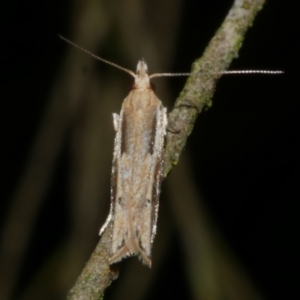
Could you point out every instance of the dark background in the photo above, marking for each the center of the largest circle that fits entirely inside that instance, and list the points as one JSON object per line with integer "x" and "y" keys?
{"x": 244, "y": 150}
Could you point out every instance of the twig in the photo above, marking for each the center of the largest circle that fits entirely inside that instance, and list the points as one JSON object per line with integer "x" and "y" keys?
{"x": 199, "y": 89}
{"x": 97, "y": 274}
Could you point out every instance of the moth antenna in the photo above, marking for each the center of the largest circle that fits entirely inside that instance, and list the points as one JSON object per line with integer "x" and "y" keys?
{"x": 169, "y": 75}
{"x": 220, "y": 73}
{"x": 98, "y": 57}
{"x": 248, "y": 72}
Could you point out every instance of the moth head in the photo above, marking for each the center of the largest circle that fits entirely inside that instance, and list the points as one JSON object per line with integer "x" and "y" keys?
{"x": 142, "y": 68}
{"x": 142, "y": 78}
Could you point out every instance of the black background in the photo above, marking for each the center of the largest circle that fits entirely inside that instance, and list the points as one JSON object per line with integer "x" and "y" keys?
{"x": 248, "y": 140}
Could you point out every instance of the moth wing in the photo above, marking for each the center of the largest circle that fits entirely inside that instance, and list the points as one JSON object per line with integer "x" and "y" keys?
{"x": 116, "y": 155}
{"x": 162, "y": 122}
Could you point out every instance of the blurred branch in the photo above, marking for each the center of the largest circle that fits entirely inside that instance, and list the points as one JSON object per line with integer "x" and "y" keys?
{"x": 28, "y": 197}
{"x": 197, "y": 93}
{"x": 26, "y": 200}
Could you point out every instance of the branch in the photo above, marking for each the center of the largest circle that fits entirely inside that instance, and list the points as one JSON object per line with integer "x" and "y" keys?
{"x": 97, "y": 275}
{"x": 198, "y": 91}
{"x": 200, "y": 86}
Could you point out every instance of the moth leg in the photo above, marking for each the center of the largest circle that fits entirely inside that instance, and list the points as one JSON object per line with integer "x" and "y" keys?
{"x": 116, "y": 121}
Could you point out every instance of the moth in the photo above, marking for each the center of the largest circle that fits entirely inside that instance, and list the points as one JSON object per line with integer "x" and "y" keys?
{"x": 138, "y": 163}
{"x": 137, "y": 166}
{"x": 137, "y": 170}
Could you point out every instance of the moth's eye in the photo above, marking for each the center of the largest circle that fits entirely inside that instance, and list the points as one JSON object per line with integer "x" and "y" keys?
{"x": 132, "y": 86}
{"x": 153, "y": 87}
